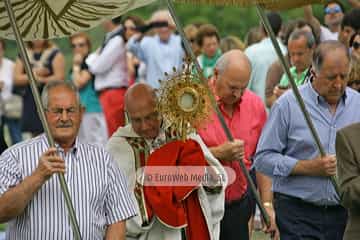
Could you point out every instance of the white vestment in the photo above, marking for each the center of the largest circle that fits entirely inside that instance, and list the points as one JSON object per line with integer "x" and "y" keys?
{"x": 212, "y": 204}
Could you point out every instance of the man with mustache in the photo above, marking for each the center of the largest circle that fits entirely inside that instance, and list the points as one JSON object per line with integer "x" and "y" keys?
{"x": 30, "y": 197}
{"x": 306, "y": 204}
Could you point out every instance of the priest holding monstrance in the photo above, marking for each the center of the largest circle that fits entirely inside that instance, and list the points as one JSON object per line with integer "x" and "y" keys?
{"x": 158, "y": 138}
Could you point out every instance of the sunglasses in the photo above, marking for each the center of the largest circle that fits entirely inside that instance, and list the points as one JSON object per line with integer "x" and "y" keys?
{"x": 80, "y": 45}
{"x": 130, "y": 28}
{"x": 356, "y": 45}
{"x": 336, "y": 9}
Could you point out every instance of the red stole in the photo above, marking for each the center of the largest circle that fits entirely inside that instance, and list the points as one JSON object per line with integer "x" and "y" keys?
{"x": 178, "y": 206}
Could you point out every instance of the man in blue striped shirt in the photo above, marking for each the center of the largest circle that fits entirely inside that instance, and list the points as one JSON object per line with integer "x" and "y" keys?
{"x": 306, "y": 204}
{"x": 30, "y": 196}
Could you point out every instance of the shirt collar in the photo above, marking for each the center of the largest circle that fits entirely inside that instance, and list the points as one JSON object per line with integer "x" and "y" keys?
{"x": 164, "y": 42}
{"x": 294, "y": 72}
{"x": 314, "y": 95}
{"x": 74, "y": 149}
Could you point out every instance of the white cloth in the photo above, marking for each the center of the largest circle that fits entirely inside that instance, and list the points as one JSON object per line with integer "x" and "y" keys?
{"x": 93, "y": 129}
{"x": 110, "y": 65}
{"x": 211, "y": 204}
{"x": 7, "y": 77}
{"x": 326, "y": 34}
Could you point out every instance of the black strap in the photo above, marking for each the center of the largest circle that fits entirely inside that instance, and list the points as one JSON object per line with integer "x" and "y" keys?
{"x": 118, "y": 32}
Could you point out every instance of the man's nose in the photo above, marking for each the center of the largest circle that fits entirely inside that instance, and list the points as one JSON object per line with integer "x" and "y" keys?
{"x": 338, "y": 83}
{"x": 64, "y": 114}
{"x": 144, "y": 124}
{"x": 237, "y": 93}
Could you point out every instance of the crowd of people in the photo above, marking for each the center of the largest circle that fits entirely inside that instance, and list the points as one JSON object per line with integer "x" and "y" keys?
{"x": 106, "y": 126}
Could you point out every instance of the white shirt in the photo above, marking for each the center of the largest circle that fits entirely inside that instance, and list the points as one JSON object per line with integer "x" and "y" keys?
{"x": 159, "y": 56}
{"x": 6, "y": 76}
{"x": 261, "y": 56}
{"x": 326, "y": 34}
{"x": 110, "y": 65}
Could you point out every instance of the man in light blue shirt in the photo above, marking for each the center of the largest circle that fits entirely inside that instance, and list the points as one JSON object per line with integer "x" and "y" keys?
{"x": 306, "y": 204}
{"x": 160, "y": 52}
{"x": 262, "y": 55}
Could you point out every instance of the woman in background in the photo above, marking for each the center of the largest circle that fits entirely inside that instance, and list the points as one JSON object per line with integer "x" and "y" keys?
{"x": 93, "y": 126}
{"x": 48, "y": 64}
{"x": 136, "y": 68}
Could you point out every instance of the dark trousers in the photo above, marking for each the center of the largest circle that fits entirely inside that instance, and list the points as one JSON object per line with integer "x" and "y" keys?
{"x": 234, "y": 225}
{"x": 299, "y": 220}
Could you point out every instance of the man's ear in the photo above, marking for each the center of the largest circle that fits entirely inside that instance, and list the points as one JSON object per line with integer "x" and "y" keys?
{"x": 127, "y": 118}
{"x": 82, "y": 109}
{"x": 216, "y": 74}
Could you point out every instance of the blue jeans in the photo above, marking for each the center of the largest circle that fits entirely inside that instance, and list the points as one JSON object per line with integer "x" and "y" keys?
{"x": 299, "y": 220}
{"x": 14, "y": 129}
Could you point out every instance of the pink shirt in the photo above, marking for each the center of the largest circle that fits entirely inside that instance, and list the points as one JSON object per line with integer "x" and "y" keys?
{"x": 246, "y": 124}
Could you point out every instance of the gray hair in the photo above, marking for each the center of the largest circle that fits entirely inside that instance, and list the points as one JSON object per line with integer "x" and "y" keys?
{"x": 53, "y": 84}
{"x": 162, "y": 14}
{"x": 297, "y": 34}
{"x": 325, "y": 48}
{"x": 234, "y": 55}
{"x": 221, "y": 64}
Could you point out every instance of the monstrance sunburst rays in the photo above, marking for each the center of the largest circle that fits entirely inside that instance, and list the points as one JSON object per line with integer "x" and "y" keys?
{"x": 183, "y": 101}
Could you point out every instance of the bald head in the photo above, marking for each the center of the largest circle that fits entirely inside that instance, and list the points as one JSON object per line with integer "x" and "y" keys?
{"x": 138, "y": 95}
{"x": 234, "y": 59}
{"x": 232, "y": 75}
{"x": 140, "y": 105}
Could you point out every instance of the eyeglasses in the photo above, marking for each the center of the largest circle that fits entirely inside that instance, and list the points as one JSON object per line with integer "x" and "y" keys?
{"x": 335, "y": 9}
{"x": 132, "y": 28}
{"x": 80, "y": 45}
{"x": 356, "y": 45}
{"x": 71, "y": 111}
{"x": 149, "y": 118}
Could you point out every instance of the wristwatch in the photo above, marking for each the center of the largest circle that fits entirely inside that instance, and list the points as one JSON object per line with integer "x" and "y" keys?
{"x": 268, "y": 204}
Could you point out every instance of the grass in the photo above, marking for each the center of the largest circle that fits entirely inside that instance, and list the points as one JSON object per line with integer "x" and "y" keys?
{"x": 259, "y": 236}
{"x": 2, "y": 227}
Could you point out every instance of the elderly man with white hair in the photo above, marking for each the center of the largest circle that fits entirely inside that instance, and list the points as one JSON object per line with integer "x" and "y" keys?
{"x": 160, "y": 52}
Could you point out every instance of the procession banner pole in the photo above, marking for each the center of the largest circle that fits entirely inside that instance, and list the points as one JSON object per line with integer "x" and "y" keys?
{"x": 39, "y": 107}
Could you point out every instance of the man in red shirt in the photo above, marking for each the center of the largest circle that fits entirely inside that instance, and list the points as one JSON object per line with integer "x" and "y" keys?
{"x": 245, "y": 116}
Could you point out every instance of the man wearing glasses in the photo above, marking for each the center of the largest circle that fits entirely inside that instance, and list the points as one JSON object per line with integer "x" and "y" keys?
{"x": 334, "y": 13}
{"x": 30, "y": 197}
